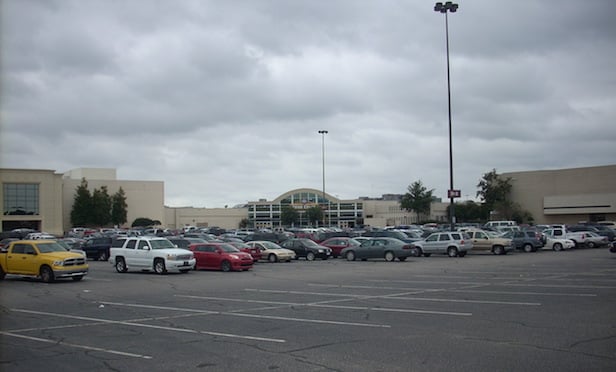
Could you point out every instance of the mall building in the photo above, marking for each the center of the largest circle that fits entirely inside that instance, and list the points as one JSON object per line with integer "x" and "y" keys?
{"x": 42, "y": 200}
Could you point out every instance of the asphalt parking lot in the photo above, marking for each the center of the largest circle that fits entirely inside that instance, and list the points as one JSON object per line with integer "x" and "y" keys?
{"x": 544, "y": 311}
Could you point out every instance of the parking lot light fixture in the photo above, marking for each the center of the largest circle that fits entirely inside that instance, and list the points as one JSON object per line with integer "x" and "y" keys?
{"x": 446, "y": 8}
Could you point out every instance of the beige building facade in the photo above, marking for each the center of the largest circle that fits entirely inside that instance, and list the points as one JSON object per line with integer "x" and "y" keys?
{"x": 42, "y": 200}
{"x": 566, "y": 196}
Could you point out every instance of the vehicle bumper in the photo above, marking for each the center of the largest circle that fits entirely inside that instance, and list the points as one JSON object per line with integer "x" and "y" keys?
{"x": 241, "y": 265}
{"x": 68, "y": 273}
{"x": 180, "y": 265}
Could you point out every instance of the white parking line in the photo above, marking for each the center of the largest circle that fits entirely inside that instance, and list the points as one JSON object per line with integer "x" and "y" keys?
{"x": 184, "y": 330}
{"x": 57, "y": 342}
{"x": 528, "y": 293}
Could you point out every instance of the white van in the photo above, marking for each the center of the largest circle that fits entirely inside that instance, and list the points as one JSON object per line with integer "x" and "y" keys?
{"x": 495, "y": 224}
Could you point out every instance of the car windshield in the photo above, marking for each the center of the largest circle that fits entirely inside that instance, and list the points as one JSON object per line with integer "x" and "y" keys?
{"x": 228, "y": 248}
{"x": 270, "y": 245}
{"x": 50, "y": 247}
{"x": 161, "y": 244}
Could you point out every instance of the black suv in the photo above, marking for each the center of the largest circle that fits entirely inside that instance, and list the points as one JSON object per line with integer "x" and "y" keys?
{"x": 97, "y": 248}
{"x": 307, "y": 248}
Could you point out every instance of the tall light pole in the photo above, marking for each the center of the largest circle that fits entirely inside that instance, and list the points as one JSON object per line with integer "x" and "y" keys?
{"x": 323, "y": 133}
{"x": 451, "y": 193}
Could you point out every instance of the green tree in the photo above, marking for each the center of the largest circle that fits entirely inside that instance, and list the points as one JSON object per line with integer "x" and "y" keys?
{"x": 119, "y": 208}
{"x": 244, "y": 223}
{"x": 289, "y": 215}
{"x": 314, "y": 214}
{"x": 82, "y": 205}
{"x": 101, "y": 207}
{"x": 144, "y": 222}
{"x": 469, "y": 211}
{"x": 495, "y": 192}
{"x": 418, "y": 199}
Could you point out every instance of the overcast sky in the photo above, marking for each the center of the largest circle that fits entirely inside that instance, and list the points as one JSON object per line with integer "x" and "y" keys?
{"x": 223, "y": 100}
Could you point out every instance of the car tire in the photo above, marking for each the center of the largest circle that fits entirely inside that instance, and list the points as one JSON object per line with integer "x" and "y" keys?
{"x": 527, "y": 248}
{"x": 310, "y": 256}
{"x": 350, "y": 256}
{"x": 591, "y": 245}
{"x": 159, "y": 266}
{"x": 103, "y": 256}
{"x": 46, "y": 274}
{"x": 498, "y": 250}
{"x": 452, "y": 251}
{"x": 557, "y": 247}
{"x": 272, "y": 258}
{"x": 390, "y": 256}
{"x": 225, "y": 266}
{"x": 120, "y": 265}
{"x": 418, "y": 252}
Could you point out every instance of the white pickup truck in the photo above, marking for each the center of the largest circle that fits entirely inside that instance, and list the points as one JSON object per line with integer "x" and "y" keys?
{"x": 150, "y": 253}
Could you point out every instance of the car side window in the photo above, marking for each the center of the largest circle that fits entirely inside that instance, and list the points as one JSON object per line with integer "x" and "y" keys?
{"x": 131, "y": 244}
{"x": 443, "y": 237}
{"x": 19, "y": 248}
{"x": 143, "y": 245}
{"x": 432, "y": 238}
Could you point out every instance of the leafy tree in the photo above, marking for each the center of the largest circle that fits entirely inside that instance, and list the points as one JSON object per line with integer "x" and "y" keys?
{"x": 469, "y": 211}
{"x": 82, "y": 205}
{"x": 495, "y": 192}
{"x": 144, "y": 222}
{"x": 418, "y": 198}
{"x": 289, "y": 215}
{"x": 119, "y": 208}
{"x": 244, "y": 223}
{"x": 101, "y": 207}
{"x": 314, "y": 214}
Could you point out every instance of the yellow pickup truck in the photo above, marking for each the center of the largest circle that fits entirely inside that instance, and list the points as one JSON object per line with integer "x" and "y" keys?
{"x": 44, "y": 259}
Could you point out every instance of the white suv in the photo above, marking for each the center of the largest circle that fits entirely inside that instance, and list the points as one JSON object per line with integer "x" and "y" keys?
{"x": 452, "y": 243}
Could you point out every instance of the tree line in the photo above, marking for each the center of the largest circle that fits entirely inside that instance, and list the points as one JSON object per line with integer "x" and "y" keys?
{"x": 98, "y": 208}
{"x": 494, "y": 191}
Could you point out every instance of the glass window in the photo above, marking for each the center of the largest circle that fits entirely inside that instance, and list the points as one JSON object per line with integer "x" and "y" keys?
{"x": 21, "y": 199}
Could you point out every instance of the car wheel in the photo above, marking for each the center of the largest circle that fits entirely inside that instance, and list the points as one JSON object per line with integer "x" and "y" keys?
{"x": 310, "y": 256}
{"x": 452, "y": 251}
{"x": 225, "y": 266}
{"x": 46, "y": 274}
{"x": 418, "y": 252}
{"x": 159, "y": 266}
{"x": 120, "y": 265}
{"x": 350, "y": 256}
{"x": 591, "y": 245}
{"x": 557, "y": 247}
{"x": 498, "y": 250}
{"x": 272, "y": 258}
{"x": 389, "y": 256}
{"x": 527, "y": 248}
{"x": 103, "y": 256}
{"x": 77, "y": 278}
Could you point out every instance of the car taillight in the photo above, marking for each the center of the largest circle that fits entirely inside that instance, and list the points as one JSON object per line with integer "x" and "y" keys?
{"x": 462, "y": 241}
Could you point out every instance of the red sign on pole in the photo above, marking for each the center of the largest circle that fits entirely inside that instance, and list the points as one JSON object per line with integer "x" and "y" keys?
{"x": 453, "y": 193}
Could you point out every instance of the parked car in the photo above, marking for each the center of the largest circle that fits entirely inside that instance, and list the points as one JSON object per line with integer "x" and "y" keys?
{"x": 453, "y": 243}
{"x": 387, "y": 248}
{"x": 97, "y": 248}
{"x": 484, "y": 241}
{"x": 526, "y": 240}
{"x": 220, "y": 256}
{"x": 594, "y": 240}
{"x": 148, "y": 253}
{"x": 307, "y": 248}
{"x": 559, "y": 244}
{"x": 339, "y": 243}
{"x": 184, "y": 243}
{"x": 271, "y": 251}
{"x": 254, "y": 252}
{"x": 70, "y": 248}
{"x": 391, "y": 234}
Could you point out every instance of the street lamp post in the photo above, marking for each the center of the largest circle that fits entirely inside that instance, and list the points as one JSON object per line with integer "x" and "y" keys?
{"x": 445, "y": 8}
{"x": 323, "y": 133}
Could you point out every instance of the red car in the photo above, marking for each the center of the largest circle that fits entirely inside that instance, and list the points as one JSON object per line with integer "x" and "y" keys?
{"x": 339, "y": 243}
{"x": 220, "y": 256}
{"x": 253, "y": 251}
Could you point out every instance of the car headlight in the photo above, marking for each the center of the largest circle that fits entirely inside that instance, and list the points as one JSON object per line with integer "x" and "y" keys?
{"x": 234, "y": 256}
{"x": 321, "y": 251}
{"x": 172, "y": 257}
{"x": 58, "y": 263}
